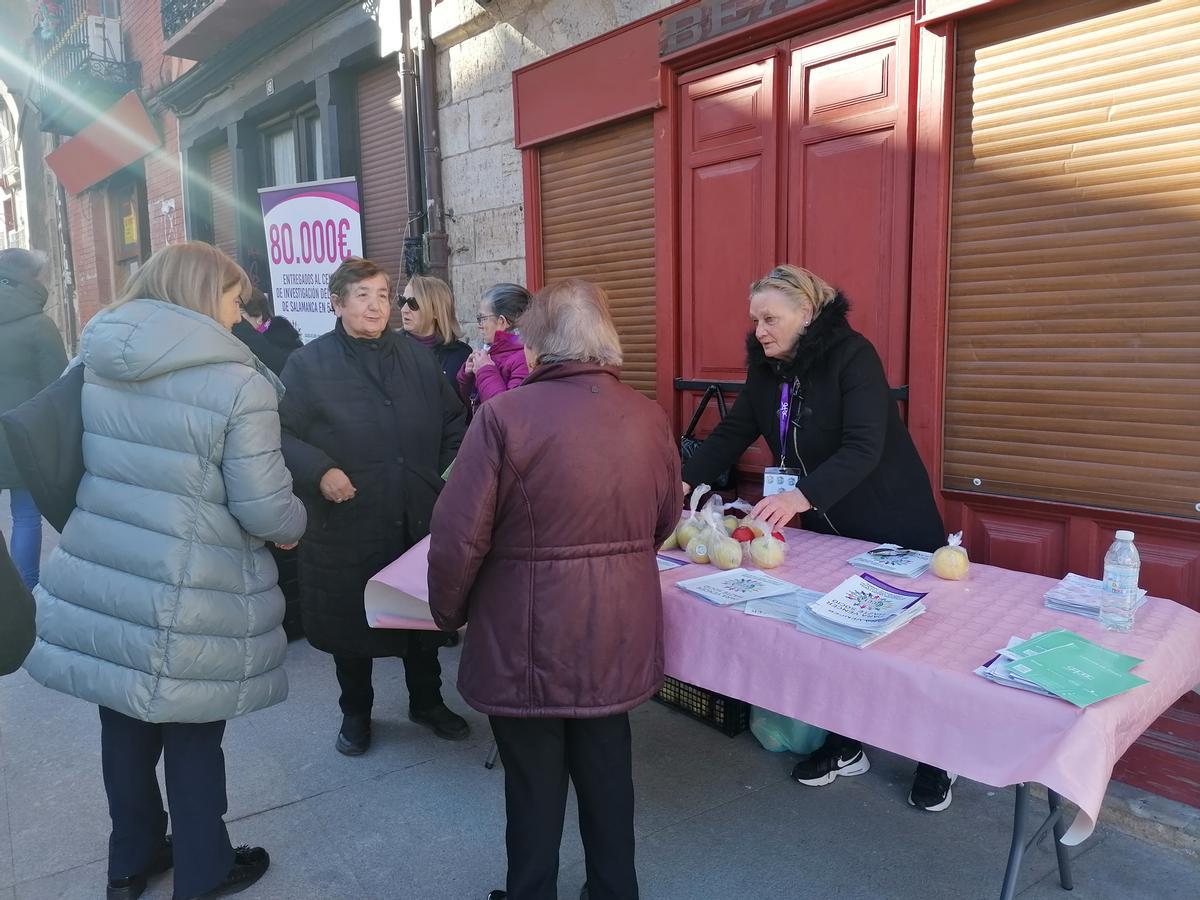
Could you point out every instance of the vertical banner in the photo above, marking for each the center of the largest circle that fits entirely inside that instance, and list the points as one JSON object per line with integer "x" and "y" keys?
{"x": 310, "y": 229}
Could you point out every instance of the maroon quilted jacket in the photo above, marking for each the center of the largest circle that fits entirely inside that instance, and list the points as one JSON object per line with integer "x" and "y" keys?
{"x": 544, "y": 540}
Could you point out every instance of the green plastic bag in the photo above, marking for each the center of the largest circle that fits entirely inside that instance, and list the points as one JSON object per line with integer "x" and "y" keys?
{"x": 778, "y": 733}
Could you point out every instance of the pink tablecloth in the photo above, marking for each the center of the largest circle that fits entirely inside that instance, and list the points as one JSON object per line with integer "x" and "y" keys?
{"x": 914, "y": 693}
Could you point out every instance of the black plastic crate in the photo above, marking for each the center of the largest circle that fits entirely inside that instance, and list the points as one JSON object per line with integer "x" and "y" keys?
{"x": 730, "y": 717}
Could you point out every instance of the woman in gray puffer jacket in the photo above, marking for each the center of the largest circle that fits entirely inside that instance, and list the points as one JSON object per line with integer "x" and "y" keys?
{"x": 160, "y": 603}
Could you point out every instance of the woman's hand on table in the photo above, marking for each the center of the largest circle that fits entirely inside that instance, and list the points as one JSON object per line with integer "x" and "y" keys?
{"x": 779, "y": 509}
{"x": 336, "y": 486}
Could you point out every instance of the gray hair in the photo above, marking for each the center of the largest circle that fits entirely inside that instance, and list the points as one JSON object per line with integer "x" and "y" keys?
{"x": 570, "y": 322}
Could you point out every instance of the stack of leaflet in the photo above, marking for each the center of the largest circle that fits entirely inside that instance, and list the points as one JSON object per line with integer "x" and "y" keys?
{"x": 1079, "y": 595}
{"x": 736, "y": 586}
{"x": 860, "y": 611}
{"x": 785, "y": 607}
{"x": 891, "y": 559}
{"x": 1062, "y": 664}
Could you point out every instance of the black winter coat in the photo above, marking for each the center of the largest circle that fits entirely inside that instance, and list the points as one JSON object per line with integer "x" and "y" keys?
{"x": 272, "y": 346}
{"x": 381, "y": 411}
{"x": 451, "y": 358}
{"x": 864, "y": 477}
{"x": 31, "y": 353}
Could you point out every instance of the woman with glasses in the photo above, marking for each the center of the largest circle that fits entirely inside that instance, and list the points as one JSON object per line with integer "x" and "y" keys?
{"x": 369, "y": 425}
{"x": 501, "y": 365}
{"x": 427, "y": 314}
{"x": 816, "y": 391}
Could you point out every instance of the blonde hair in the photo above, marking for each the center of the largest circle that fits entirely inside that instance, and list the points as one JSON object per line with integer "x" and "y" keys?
{"x": 191, "y": 274}
{"x": 798, "y": 285}
{"x": 570, "y": 322}
{"x": 435, "y": 305}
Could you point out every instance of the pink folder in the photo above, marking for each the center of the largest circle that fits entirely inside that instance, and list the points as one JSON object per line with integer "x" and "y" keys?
{"x": 398, "y": 596}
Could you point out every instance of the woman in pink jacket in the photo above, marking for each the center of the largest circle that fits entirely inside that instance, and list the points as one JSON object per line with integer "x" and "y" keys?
{"x": 501, "y": 366}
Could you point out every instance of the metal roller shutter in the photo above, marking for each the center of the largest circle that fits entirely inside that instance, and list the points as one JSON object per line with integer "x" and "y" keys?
{"x": 382, "y": 167}
{"x": 597, "y": 193}
{"x": 1073, "y": 361}
{"x": 220, "y": 179}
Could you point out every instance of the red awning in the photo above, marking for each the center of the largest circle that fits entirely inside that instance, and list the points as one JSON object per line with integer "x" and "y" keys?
{"x": 120, "y": 136}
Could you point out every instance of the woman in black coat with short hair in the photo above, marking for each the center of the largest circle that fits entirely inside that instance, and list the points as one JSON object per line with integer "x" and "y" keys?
{"x": 816, "y": 390}
{"x": 369, "y": 424}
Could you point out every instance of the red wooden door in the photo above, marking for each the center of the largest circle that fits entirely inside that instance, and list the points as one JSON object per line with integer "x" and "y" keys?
{"x": 729, "y": 128}
{"x": 728, "y": 205}
{"x": 850, "y": 175}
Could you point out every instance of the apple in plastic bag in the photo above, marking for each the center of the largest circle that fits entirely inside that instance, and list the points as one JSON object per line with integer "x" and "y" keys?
{"x": 697, "y": 549}
{"x": 725, "y": 553}
{"x": 767, "y": 552}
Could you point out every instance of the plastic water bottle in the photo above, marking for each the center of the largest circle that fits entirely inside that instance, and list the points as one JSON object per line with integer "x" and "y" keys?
{"x": 1119, "y": 593}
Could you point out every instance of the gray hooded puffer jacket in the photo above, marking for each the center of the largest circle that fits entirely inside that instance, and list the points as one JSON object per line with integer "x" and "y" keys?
{"x": 161, "y": 600}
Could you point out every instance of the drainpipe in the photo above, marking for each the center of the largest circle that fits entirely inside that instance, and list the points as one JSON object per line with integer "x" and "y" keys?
{"x": 437, "y": 244}
{"x": 414, "y": 263}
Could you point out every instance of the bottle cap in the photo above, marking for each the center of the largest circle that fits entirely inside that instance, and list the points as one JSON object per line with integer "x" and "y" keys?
{"x": 1124, "y": 535}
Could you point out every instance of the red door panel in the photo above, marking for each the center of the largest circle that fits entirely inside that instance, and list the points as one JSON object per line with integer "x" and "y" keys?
{"x": 850, "y": 175}
{"x": 728, "y": 209}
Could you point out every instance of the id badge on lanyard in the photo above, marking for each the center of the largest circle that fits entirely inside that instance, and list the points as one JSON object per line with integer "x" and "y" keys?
{"x": 779, "y": 479}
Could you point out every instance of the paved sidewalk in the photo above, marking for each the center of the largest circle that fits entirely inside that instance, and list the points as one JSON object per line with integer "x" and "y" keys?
{"x": 421, "y": 819}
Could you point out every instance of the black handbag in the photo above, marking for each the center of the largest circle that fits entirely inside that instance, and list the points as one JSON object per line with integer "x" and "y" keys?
{"x": 689, "y": 444}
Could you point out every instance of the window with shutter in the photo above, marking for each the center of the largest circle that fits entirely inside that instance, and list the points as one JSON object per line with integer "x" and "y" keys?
{"x": 597, "y": 193}
{"x": 1073, "y": 357}
{"x": 382, "y": 167}
{"x": 220, "y": 180}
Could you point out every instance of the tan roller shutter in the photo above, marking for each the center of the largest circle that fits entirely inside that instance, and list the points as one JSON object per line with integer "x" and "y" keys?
{"x": 382, "y": 166}
{"x": 1073, "y": 365}
{"x": 598, "y": 223}
{"x": 220, "y": 179}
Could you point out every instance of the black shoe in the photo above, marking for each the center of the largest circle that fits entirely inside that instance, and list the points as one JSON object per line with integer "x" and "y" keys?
{"x": 497, "y": 895}
{"x": 132, "y": 887}
{"x": 931, "y": 789}
{"x": 447, "y": 725}
{"x": 249, "y": 865}
{"x": 355, "y": 736}
{"x": 835, "y": 757}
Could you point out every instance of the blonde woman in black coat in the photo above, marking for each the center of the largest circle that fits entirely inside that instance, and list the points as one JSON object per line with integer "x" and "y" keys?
{"x": 816, "y": 391}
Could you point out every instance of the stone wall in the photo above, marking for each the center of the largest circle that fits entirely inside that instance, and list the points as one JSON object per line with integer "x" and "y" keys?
{"x": 478, "y": 49}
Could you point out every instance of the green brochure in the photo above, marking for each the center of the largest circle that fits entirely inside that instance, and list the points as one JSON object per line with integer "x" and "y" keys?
{"x": 1054, "y": 640}
{"x": 1076, "y": 673}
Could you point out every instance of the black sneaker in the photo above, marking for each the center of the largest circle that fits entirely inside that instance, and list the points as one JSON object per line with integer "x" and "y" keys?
{"x": 249, "y": 865}
{"x": 931, "y": 789}
{"x": 447, "y": 725}
{"x": 833, "y": 758}
{"x": 497, "y": 895}
{"x": 135, "y": 885}
{"x": 355, "y": 735}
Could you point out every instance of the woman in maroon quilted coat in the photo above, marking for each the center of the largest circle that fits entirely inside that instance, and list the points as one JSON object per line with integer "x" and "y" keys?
{"x": 544, "y": 540}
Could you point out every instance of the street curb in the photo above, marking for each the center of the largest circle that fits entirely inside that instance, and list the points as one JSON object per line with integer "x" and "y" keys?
{"x": 1157, "y": 820}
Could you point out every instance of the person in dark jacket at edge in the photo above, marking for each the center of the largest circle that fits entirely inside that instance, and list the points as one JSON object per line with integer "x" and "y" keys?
{"x": 427, "y": 315}
{"x": 816, "y": 391}
{"x": 273, "y": 339}
{"x": 17, "y": 626}
{"x": 31, "y": 357}
{"x": 369, "y": 426}
{"x": 548, "y": 550}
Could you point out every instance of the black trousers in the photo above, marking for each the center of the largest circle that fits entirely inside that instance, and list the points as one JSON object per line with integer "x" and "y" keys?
{"x": 422, "y": 675}
{"x": 539, "y": 756}
{"x": 195, "y": 772}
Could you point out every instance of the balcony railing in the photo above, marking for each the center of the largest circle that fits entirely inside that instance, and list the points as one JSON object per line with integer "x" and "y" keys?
{"x": 198, "y": 29}
{"x": 177, "y": 13}
{"x": 82, "y": 70}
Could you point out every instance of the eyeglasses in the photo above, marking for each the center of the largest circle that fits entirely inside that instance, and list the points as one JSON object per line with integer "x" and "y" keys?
{"x": 480, "y": 319}
{"x": 410, "y": 302}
